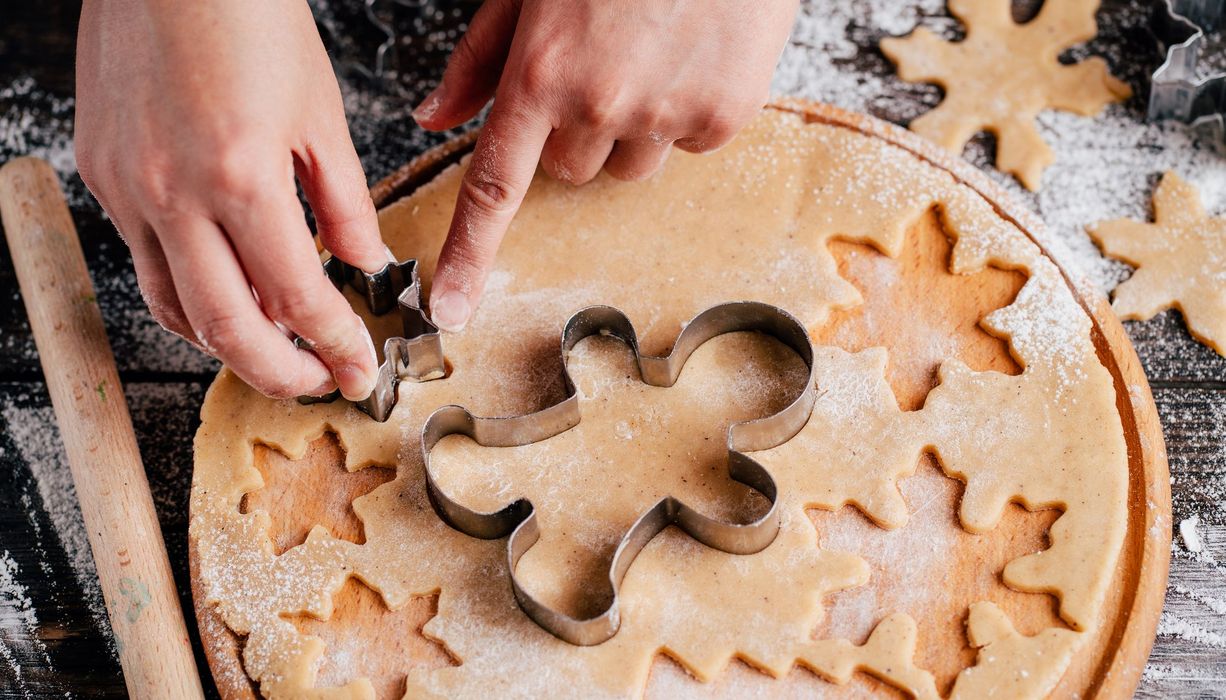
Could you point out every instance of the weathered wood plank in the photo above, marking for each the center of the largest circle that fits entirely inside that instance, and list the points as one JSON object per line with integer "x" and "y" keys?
{"x": 65, "y": 645}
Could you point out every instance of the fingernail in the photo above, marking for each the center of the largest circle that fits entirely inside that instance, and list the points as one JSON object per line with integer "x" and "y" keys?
{"x": 326, "y": 388}
{"x": 370, "y": 345}
{"x": 429, "y": 106}
{"x": 354, "y": 384}
{"x": 450, "y": 311}
{"x": 388, "y": 258}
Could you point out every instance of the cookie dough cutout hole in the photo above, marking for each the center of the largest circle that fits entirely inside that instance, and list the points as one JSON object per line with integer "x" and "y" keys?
{"x": 1024, "y": 11}
{"x": 933, "y": 546}
{"x": 919, "y": 310}
{"x": 364, "y": 639}
{"x": 315, "y": 490}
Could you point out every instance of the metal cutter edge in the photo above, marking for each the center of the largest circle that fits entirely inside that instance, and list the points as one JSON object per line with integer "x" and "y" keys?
{"x": 518, "y": 520}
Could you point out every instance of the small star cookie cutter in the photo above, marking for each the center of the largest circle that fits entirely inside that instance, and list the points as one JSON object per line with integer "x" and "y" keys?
{"x": 518, "y": 520}
{"x": 417, "y": 355}
{"x": 1175, "y": 91}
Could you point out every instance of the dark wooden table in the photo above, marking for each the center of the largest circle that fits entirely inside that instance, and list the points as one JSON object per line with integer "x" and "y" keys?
{"x": 53, "y": 635}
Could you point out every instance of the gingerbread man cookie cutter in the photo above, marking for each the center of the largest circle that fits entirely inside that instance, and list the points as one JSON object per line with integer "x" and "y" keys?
{"x": 1176, "y": 92}
{"x": 417, "y": 355}
{"x": 518, "y": 520}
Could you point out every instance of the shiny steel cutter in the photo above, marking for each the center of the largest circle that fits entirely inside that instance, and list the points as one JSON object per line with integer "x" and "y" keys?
{"x": 418, "y": 356}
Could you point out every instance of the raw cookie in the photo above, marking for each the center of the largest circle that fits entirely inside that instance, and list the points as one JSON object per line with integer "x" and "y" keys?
{"x": 754, "y": 221}
{"x": 1180, "y": 261}
{"x": 1003, "y": 74}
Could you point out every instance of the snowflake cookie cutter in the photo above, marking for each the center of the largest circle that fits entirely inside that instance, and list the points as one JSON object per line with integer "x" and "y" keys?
{"x": 1175, "y": 92}
{"x": 518, "y": 520}
{"x": 417, "y": 355}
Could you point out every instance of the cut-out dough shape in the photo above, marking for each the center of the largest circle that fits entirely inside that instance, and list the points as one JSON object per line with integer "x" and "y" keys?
{"x": 1001, "y": 669}
{"x": 1180, "y": 261}
{"x": 1003, "y": 74}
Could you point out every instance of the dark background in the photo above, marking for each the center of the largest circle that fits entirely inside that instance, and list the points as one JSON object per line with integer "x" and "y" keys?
{"x": 69, "y": 649}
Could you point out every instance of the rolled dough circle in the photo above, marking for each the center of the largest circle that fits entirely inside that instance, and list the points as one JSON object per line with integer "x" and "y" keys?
{"x": 875, "y": 239}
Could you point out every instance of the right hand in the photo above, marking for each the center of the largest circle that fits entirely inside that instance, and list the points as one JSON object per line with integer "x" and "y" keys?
{"x": 193, "y": 120}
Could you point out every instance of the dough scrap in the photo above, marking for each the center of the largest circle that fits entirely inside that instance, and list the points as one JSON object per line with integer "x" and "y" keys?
{"x": 1003, "y": 74}
{"x": 1181, "y": 261}
{"x": 777, "y": 195}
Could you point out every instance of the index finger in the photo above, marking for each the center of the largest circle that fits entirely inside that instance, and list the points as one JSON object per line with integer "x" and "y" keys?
{"x": 503, "y": 163}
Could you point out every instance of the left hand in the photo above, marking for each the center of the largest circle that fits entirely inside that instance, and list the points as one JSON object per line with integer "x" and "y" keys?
{"x": 583, "y": 85}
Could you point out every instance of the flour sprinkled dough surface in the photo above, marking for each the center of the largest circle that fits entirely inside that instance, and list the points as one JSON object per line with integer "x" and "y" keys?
{"x": 880, "y": 570}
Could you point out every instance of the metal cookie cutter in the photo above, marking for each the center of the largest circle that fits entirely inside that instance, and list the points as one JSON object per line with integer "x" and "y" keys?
{"x": 1176, "y": 93}
{"x": 519, "y": 519}
{"x": 417, "y": 355}
{"x": 382, "y": 19}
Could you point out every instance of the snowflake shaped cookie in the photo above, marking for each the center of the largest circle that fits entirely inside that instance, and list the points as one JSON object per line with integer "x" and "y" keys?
{"x": 594, "y": 492}
{"x": 1180, "y": 261}
{"x": 1003, "y": 74}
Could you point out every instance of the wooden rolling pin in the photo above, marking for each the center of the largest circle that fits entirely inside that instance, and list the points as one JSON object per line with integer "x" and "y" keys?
{"x": 97, "y": 432}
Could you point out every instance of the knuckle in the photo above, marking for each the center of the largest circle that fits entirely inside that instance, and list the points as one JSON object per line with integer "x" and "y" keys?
{"x": 560, "y": 166}
{"x": 594, "y": 112}
{"x": 230, "y": 175}
{"x": 489, "y": 193}
{"x": 657, "y": 126}
{"x": 153, "y": 185}
{"x": 721, "y": 122}
{"x": 464, "y": 56}
{"x": 719, "y": 127}
{"x": 320, "y": 316}
{"x": 556, "y": 168}
{"x": 155, "y": 180}
{"x": 538, "y": 75}
{"x": 294, "y": 307}
{"x": 600, "y": 105}
{"x": 350, "y": 208}
{"x": 631, "y": 172}
{"x": 221, "y": 334}
{"x": 619, "y": 168}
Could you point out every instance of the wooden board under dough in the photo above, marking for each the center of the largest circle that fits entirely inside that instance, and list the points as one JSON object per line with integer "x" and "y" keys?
{"x": 1109, "y": 666}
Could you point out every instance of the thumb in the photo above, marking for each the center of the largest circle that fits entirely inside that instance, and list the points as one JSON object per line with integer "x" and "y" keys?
{"x": 474, "y": 68}
{"x": 335, "y": 185}
{"x": 503, "y": 163}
